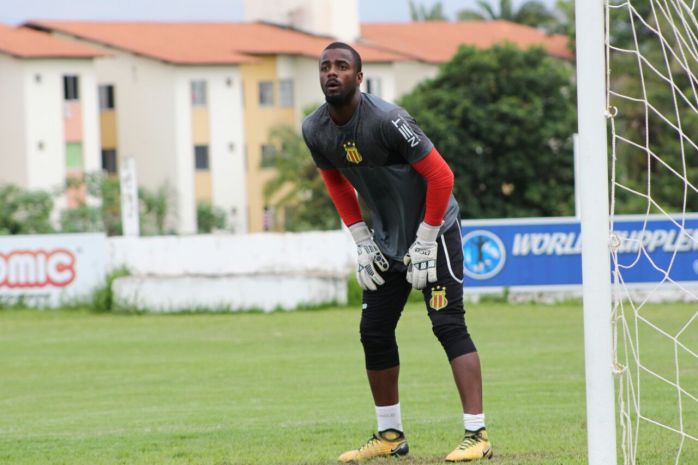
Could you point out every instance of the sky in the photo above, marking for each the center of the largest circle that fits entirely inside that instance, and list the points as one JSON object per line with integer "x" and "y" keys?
{"x": 18, "y": 11}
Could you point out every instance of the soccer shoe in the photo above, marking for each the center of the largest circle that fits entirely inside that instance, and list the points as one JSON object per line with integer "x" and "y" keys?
{"x": 474, "y": 446}
{"x": 384, "y": 444}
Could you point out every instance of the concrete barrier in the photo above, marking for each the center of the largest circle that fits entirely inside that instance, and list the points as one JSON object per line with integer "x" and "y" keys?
{"x": 232, "y": 272}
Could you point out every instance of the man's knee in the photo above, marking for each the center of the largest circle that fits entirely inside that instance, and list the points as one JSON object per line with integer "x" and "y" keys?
{"x": 453, "y": 336}
{"x": 380, "y": 346}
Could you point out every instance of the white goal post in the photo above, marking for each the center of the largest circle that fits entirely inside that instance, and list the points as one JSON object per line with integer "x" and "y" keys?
{"x": 596, "y": 264}
{"x": 637, "y": 78}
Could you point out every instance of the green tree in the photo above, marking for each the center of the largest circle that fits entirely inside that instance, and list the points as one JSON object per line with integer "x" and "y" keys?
{"x": 503, "y": 118}
{"x": 531, "y": 13}
{"x": 24, "y": 212}
{"x": 420, "y": 12}
{"x": 209, "y": 218}
{"x": 653, "y": 94}
{"x": 297, "y": 186}
{"x": 153, "y": 207}
{"x": 105, "y": 213}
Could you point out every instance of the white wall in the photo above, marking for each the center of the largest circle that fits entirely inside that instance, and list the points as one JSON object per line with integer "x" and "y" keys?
{"x": 44, "y": 108}
{"x": 226, "y": 130}
{"x": 228, "y": 145}
{"x": 183, "y": 156}
{"x": 13, "y": 143}
{"x": 386, "y": 73}
{"x": 232, "y": 272}
{"x": 147, "y": 129}
{"x": 329, "y": 252}
{"x": 410, "y": 73}
{"x": 306, "y": 85}
{"x": 226, "y": 293}
{"x": 44, "y": 119}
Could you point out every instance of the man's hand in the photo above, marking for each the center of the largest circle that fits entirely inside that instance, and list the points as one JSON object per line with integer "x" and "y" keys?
{"x": 369, "y": 256}
{"x": 421, "y": 257}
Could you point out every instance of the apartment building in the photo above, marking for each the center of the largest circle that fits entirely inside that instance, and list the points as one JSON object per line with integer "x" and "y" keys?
{"x": 171, "y": 98}
{"x": 194, "y": 103}
{"x": 48, "y": 117}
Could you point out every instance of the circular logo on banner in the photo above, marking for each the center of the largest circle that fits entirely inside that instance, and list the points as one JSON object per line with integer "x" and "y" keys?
{"x": 483, "y": 254}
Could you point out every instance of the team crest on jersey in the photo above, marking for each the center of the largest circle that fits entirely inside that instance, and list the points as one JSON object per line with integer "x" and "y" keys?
{"x": 352, "y": 153}
{"x": 438, "y": 298}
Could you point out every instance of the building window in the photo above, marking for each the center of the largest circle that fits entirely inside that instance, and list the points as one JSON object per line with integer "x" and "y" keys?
{"x": 266, "y": 93}
{"x": 286, "y": 92}
{"x": 106, "y": 97}
{"x": 198, "y": 93}
{"x": 109, "y": 161}
{"x": 268, "y": 155}
{"x": 70, "y": 88}
{"x": 373, "y": 86}
{"x": 201, "y": 157}
{"x": 73, "y": 156}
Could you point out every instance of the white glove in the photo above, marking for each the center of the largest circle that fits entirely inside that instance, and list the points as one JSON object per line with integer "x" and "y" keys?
{"x": 368, "y": 255}
{"x": 421, "y": 257}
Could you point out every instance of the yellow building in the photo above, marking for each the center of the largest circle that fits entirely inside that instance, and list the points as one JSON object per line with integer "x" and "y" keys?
{"x": 268, "y": 101}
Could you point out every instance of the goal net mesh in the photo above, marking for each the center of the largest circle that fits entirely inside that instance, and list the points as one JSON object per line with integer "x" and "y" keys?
{"x": 652, "y": 108}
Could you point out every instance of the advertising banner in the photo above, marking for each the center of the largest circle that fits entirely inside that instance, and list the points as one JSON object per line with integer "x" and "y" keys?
{"x": 51, "y": 269}
{"x": 545, "y": 253}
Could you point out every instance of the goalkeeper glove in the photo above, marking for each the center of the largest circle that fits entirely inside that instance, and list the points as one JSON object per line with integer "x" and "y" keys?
{"x": 421, "y": 257}
{"x": 368, "y": 256}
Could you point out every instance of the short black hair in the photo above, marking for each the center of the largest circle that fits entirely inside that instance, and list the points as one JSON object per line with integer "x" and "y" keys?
{"x": 354, "y": 53}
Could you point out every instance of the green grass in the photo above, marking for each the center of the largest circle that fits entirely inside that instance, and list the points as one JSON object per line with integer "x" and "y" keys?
{"x": 284, "y": 388}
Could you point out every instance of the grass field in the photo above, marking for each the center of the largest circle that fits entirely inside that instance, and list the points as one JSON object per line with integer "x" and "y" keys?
{"x": 282, "y": 388}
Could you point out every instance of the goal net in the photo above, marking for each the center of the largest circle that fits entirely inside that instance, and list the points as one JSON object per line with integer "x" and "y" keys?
{"x": 652, "y": 110}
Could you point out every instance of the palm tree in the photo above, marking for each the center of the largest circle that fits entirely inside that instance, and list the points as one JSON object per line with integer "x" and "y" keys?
{"x": 532, "y": 13}
{"x": 419, "y": 12}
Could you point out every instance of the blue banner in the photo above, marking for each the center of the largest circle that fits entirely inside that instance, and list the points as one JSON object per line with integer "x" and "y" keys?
{"x": 541, "y": 252}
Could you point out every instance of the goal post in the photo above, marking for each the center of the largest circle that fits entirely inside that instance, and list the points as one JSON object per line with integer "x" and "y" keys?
{"x": 596, "y": 263}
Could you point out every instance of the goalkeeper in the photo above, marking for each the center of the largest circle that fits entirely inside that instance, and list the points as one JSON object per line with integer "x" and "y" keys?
{"x": 360, "y": 142}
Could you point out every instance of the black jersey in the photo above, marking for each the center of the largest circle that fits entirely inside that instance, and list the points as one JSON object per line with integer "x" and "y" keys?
{"x": 374, "y": 151}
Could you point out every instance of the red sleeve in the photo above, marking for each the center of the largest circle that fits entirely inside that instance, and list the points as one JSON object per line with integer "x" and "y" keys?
{"x": 343, "y": 195}
{"x": 439, "y": 185}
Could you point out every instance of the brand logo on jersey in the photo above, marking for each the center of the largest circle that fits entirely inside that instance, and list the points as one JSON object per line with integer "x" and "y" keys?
{"x": 406, "y": 131}
{"x": 353, "y": 155}
{"x": 438, "y": 298}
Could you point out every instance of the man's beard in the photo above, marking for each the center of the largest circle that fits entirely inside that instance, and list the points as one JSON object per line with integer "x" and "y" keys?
{"x": 341, "y": 98}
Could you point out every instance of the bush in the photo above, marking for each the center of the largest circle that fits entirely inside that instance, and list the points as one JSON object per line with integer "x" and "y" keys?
{"x": 209, "y": 217}
{"x": 24, "y": 212}
{"x": 103, "y": 298}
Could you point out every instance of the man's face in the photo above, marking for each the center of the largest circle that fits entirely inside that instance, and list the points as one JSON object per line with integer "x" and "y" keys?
{"x": 338, "y": 77}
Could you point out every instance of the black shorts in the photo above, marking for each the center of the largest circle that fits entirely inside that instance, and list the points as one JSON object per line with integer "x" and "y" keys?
{"x": 382, "y": 308}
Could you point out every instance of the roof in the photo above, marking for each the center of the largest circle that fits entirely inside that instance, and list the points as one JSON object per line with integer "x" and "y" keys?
{"x": 204, "y": 43}
{"x": 25, "y": 43}
{"x": 438, "y": 41}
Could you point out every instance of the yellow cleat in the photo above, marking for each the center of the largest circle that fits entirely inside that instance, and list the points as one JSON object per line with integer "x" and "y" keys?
{"x": 383, "y": 444}
{"x": 474, "y": 446}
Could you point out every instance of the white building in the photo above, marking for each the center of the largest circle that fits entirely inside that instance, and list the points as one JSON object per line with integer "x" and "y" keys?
{"x": 49, "y": 127}
{"x": 175, "y": 107}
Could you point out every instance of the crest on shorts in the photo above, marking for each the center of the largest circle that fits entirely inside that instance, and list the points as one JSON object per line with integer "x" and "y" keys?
{"x": 438, "y": 298}
{"x": 352, "y": 153}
